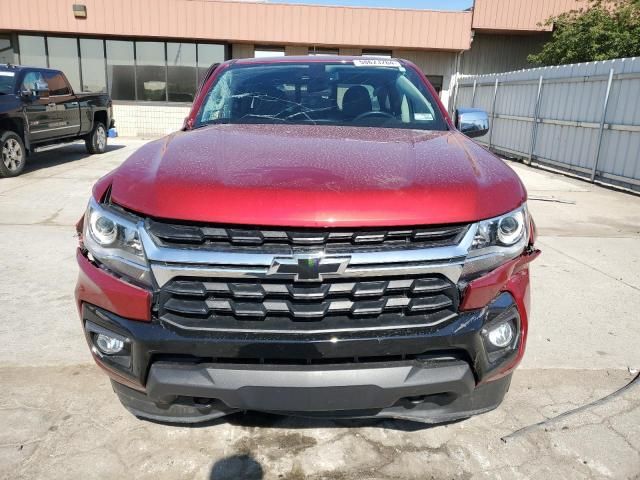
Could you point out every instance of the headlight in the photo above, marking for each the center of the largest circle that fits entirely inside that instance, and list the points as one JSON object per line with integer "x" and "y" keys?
{"x": 497, "y": 241}
{"x": 112, "y": 239}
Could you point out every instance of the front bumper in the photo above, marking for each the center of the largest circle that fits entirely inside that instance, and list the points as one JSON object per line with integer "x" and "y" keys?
{"x": 415, "y": 374}
{"x": 426, "y": 394}
{"x": 423, "y": 374}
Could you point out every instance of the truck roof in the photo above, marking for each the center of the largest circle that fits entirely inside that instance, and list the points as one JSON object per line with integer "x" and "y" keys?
{"x": 312, "y": 58}
{"x": 18, "y": 68}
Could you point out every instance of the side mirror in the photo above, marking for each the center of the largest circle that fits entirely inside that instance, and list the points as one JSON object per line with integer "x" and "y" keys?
{"x": 472, "y": 122}
{"x": 41, "y": 90}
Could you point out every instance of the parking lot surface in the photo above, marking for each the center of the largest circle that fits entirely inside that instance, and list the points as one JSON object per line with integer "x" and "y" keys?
{"x": 60, "y": 419}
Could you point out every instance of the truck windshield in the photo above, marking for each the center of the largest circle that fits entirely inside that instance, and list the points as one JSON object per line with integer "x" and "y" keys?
{"x": 7, "y": 82}
{"x": 367, "y": 92}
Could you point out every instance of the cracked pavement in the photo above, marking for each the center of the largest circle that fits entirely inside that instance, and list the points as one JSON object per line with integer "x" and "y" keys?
{"x": 60, "y": 419}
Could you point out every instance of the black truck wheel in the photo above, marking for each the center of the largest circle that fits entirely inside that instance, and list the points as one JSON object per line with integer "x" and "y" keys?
{"x": 13, "y": 155}
{"x": 96, "y": 141}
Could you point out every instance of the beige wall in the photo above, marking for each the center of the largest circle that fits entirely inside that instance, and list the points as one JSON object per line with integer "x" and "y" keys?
{"x": 245, "y": 22}
{"x": 140, "y": 120}
{"x": 519, "y": 15}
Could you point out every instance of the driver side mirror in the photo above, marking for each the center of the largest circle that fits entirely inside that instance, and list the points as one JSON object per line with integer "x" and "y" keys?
{"x": 40, "y": 90}
{"x": 473, "y": 122}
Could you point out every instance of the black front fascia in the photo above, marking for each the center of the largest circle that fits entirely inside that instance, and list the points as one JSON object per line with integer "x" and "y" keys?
{"x": 152, "y": 341}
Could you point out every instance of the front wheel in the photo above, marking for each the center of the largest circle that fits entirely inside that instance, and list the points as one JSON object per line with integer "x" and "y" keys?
{"x": 97, "y": 140}
{"x": 13, "y": 154}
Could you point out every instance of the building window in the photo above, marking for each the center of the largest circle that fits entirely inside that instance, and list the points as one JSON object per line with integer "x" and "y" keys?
{"x": 376, "y": 53}
{"x": 146, "y": 71}
{"x": 151, "y": 72}
{"x": 94, "y": 78}
{"x": 181, "y": 72}
{"x": 266, "y": 52}
{"x": 6, "y": 50}
{"x": 63, "y": 55}
{"x": 121, "y": 70}
{"x": 32, "y": 51}
{"x": 209, "y": 54}
{"x": 436, "y": 81}
{"x": 323, "y": 51}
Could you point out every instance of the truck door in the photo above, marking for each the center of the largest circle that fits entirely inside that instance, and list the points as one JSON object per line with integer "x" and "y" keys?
{"x": 40, "y": 114}
{"x": 65, "y": 106}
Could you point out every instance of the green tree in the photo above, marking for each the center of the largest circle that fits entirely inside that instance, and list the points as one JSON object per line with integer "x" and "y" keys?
{"x": 602, "y": 30}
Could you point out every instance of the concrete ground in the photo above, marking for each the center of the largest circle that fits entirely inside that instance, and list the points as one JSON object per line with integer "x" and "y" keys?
{"x": 60, "y": 419}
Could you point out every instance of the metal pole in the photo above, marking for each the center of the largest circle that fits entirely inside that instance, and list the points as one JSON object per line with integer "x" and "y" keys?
{"x": 536, "y": 116}
{"x": 455, "y": 95}
{"x": 493, "y": 111}
{"x": 473, "y": 98}
{"x": 602, "y": 121}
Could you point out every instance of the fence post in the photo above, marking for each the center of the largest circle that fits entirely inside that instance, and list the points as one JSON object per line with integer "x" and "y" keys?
{"x": 602, "y": 121}
{"x": 536, "y": 116}
{"x": 493, "y": 111}
{"x": 473, "y": 98}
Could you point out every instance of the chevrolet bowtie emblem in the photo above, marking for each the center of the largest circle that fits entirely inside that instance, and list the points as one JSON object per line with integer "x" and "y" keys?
{"x": 308, "y": 268}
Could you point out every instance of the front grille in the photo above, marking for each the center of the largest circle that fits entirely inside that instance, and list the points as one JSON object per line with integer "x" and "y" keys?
{"x": 332, "y": 304}
{"x": 267, "y": 240}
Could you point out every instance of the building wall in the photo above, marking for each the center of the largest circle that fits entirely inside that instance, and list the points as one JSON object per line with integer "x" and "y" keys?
{"x": 520, "y": 15}
{"x": 242, "y": 50}
{"x": 495, "y": 53}
{"x": 350, "y": 51}
{"x": 148, "y": 120}
{"x": 441, "y": 64}
{"x": 296, "y": 50}
{"x": 245, "y": 22}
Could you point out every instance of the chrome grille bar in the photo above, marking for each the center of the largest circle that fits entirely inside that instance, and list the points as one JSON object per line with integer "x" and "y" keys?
{"x": 169, "y": 263}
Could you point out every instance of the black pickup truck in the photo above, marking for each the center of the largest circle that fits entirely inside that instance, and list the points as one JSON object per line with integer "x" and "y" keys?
{"x": 38, "y": 108}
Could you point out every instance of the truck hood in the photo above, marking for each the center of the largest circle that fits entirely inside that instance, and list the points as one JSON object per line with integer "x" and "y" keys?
{"x": 316, "y": 176}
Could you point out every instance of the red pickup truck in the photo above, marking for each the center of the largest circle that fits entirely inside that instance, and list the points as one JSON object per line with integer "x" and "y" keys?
{"x": 321, "y": 239}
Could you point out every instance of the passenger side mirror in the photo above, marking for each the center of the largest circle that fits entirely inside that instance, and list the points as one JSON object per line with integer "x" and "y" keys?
{"x": 473, "y": 122}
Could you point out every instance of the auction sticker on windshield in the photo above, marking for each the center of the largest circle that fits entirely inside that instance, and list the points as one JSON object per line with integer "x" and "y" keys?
{"x": 377, "y": 62}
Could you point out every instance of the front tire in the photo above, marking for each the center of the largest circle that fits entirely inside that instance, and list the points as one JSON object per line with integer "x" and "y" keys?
{"x": 96, "y": 141}
{"x": 13, "y": 155}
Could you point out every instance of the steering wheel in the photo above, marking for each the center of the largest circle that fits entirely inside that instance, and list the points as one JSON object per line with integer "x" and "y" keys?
{"x": 379, "y": 114}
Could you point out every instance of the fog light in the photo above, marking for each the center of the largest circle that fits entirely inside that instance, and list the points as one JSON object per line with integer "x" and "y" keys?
{"x": 108, "y": 344}
{"x": 501, "y": 335}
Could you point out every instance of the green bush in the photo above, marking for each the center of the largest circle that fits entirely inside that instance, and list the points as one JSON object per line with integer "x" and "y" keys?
{"x": 603, "y": 30}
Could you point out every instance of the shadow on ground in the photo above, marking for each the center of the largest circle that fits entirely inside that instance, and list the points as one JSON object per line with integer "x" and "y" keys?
{"x": 237, "y": 467}
{"x": 268, "y": 420}
{"x": 67, "y": 154}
